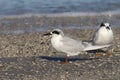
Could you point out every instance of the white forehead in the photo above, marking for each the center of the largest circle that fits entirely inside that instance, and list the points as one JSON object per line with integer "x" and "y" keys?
{"x": 106, "y": 24}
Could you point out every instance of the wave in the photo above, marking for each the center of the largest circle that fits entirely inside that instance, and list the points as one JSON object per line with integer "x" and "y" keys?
{"x": 64, "y": 14}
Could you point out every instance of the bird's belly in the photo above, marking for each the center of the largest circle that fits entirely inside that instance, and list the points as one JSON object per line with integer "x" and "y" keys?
{"x": 104, "y": 39}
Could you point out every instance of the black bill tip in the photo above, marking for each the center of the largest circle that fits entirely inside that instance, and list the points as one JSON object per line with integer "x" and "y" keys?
{"x": 108, "y": 28}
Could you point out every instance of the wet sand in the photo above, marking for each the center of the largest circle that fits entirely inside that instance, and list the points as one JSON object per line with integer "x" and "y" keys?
{"x": 30, "y": 56}
{"x": 37, "y": 23}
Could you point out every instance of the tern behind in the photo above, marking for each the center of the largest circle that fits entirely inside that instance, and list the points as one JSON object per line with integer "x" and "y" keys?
{"x": 103, "y": 36}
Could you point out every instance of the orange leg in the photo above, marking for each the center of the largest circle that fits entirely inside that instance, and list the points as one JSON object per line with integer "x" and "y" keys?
{"x": 66, "y": 60}
{"x": 108, "y": 53}
{"x": 98, "y": 54}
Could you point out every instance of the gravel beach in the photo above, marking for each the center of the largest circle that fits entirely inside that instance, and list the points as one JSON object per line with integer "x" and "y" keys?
{"x": 30, "y": 56}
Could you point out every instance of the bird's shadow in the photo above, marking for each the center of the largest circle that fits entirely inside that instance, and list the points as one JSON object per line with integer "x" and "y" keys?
{"x": 75, "y": 58}
{"x": 95, "y": 51}
{"x": 54, "y": 58}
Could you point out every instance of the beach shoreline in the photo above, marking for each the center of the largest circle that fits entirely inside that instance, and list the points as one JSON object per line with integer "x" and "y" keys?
{"x": 38, "y": 23}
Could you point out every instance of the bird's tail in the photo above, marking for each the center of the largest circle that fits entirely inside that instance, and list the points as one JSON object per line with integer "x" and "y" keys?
{"x": 94, "y": 47}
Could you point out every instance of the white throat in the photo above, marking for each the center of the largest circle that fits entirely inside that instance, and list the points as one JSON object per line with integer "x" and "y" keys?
{"x": 56, "y": 41}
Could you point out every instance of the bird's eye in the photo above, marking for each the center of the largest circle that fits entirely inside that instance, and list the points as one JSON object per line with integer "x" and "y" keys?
{"x": 56, "y": 32}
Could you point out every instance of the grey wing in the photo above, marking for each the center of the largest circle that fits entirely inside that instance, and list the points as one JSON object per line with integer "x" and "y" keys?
{"x": 95, "y": 36}
{"x": 72, "y": 45}
{"x": 88, "y": 46}
{"x": 94, "y": 47}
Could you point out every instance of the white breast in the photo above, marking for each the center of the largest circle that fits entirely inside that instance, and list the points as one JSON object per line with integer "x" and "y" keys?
{"x": 56, "y": 43}
{"x": 103, "y": 36}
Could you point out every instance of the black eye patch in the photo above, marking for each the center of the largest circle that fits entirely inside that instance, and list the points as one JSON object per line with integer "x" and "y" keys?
{"x": 102, "y": 24}
{"x": 56, "y": 32}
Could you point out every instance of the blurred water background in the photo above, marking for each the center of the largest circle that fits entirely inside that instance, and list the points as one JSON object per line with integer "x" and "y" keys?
{"x": 87, "y": 12}
{"x": 18, "y": 7}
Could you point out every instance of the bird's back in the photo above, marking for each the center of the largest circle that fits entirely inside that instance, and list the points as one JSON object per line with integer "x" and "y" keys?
{"x": 71, "y": 46}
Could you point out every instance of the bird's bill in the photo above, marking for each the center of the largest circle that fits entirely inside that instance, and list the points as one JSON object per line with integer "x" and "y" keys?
{"x": 47, "y": 34}
{"x": 108, "y": 28}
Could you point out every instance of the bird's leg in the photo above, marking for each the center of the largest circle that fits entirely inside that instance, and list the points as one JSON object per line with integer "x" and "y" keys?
{"x": 66, "y": 60}
{"x": 108, "y": 53}
{"x": 98, "y": 54}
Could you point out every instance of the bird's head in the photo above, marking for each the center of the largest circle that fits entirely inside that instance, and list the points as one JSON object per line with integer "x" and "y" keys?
{"x": 55, "y": 32}
{"x": 106, "y": 25}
